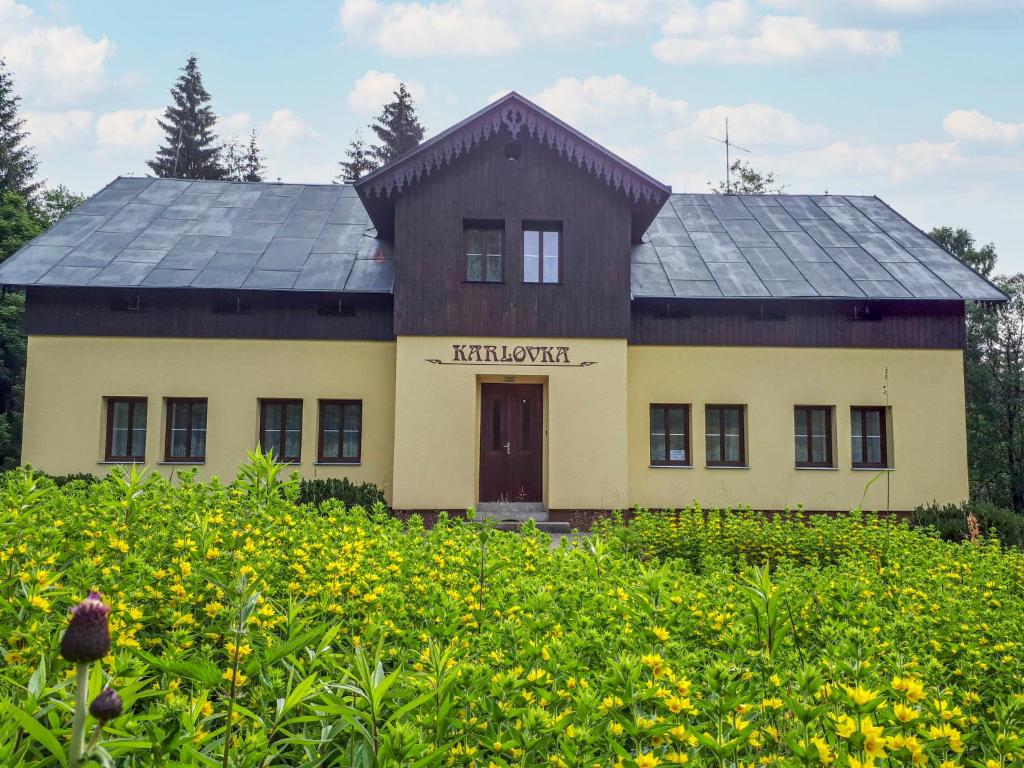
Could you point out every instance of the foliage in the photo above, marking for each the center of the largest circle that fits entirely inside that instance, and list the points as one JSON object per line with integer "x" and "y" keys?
{"x": 18, "y": 161}
{"x": 358, "y": 162}
{"x": 56, "y": 203}
{"x": 748, "y": 181}
{"x": 244, "y": 162}
{"x": 397, "y": 127}
{"x": 190, "y": 150}
{"x": 251, "y": 632}
{"x": 319, "y": 490}
{"x": 994, "y": 378}
{"x": 18, "y": 224}
{"x": 950, "y": 521}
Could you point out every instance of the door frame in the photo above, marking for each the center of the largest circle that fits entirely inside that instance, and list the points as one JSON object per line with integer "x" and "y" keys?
{"x": 546, "y": 411}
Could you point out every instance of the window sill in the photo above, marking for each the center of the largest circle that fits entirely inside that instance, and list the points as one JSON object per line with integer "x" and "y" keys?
{"x": 176, "y": 463}
{"x": 538, "y": 282}
{"x": 483, "y": 282}
{"x": 670, "y": 466}
{"x": 816, "y": 469}
{"x": 873, "y": 469}
{"x": 116, "y": 462}
{"x": 337, "y": 463}
{"x": 726, "y": 466}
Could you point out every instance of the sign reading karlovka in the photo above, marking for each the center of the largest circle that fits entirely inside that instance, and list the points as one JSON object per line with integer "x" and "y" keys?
{"x": 511, "y": 354}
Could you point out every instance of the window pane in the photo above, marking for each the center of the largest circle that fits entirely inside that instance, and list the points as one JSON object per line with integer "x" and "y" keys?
{"x": 551, "y": 257}
{"x": 531, "y": 269}
{"x": 732, "y": 448}
{"x": 494, "y": 268}
{"x": 874, "y": 444}
{"x": 292, "y": 443}
{"x": 676, "y": 447}
{"x": 293, "y": 416}
{"x": 531, "y": 242}
{"x": 857, "y": 449}
{"x": 657, "y": 447}
{"x": 818, "y": 453}
{"x": 675, "y": 421}
{"x": 475, "y": 267}
{"x": 801, "y": 449}
{"x": 330, "y": 423}
{"x": 179, "y": 430}
{"x": 353, "y": 425}
{"x": 818, "y": 422}
{"x": 732, "y": 421}
{"x": 714, "y": 448}
{"x": 874, "y": 423}
{"x": 800, "y": 422}
{"x": 198, "y": 445}
{"x": 119, "y": 428}
{"x": 272, "y": 417}
{"x": 492, "y": 240}
{"x": 658, "y": 421}
{"x": 713, "y": 422}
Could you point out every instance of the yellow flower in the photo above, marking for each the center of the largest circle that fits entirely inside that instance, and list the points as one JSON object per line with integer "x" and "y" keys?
{"x": 243, "y": 651}
{"x": 647, "y": 760}
{"x": 825, "y": 754}
{"x": 860, "y": 696}
{"x": 846, "y": 726}
{"x": 661, "y": 633}
{"x": 855, "y": 763}
{"x": 237, "y": 677}
{"x": 904, "y": 713}
{"x": 37, "y": 601}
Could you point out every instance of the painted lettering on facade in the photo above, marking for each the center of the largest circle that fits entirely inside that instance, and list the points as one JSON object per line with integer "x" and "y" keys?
{"x": 511, "y": 354}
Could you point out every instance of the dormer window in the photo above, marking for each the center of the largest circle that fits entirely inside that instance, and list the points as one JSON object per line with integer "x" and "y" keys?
{"x": 484, "y": 243}
{"x": 542, "y": 248}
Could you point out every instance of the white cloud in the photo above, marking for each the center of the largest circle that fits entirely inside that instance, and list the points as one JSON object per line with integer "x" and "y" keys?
{"x": 374, "y": 89}
{"x": 234, "y": 126}
{"x": 608, "y": 99}
{"x": 52, "y": 63}
{"x": 868, "y": 163}
{"x": 53, "y": 129}
{"x": 135, "y": 128}
{"x": 284, "y": 127}
{"x": 770, "y": 39}
{"x": 972, "y": 125}
{"x": 760, "y": 122}
{"x": 898, "y": 7}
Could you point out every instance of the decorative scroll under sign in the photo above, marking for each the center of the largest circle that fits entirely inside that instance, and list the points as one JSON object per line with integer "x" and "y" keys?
{"x": 511, "y": 354}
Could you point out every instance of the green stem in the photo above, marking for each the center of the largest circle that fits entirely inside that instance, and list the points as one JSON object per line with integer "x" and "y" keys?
{"x": 81, "y": 709}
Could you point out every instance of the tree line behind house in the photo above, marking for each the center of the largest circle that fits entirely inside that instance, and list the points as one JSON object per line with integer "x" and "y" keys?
{"x": 191, "y": 149}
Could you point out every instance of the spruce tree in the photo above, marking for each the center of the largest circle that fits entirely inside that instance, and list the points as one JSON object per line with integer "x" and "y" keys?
{"x": 190, "y": 150}
{"x": 244, "y": 163}
{"x": 358, "y": 160}
{"x": 18, "y": 162}
{"x": 397, "y": 127}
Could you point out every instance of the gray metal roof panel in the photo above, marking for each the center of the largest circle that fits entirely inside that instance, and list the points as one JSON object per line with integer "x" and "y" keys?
{"x": 172, "y": 232}
{"x": 809, "y": 246}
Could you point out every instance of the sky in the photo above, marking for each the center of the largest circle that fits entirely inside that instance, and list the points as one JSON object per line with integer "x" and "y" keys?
{"x": 920, "y": 102}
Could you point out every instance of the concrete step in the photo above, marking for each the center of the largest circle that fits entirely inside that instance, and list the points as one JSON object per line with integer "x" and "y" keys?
{"x": 511, "y": 511}
{"x": 546, "y": 527}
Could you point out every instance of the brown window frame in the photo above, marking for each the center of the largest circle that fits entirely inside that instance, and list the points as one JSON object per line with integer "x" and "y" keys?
{"x": 340, "y": 459}
{"x": 687, "y": 442}
{"x": 829, "y": 453}
{"x": 540, "y": 227}
{"x": 469, "y": 225}
{"x": 284, "y": 402}
{"x": 883, "y": 427}
{"x": 109, "y": 442}
{"x": 191, "y": 402}
{"x": 742, "y": 462}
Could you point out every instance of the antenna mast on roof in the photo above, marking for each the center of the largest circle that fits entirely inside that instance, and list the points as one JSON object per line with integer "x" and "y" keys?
{"x": 728, "y": 163}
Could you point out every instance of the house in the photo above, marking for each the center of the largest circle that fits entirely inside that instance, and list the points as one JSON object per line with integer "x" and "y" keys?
{"x": 508, "y": 313}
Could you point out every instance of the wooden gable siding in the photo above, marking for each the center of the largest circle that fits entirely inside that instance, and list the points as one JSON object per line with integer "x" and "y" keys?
{"x": 901, "y": 325}
{"x": 202, "y": 314}
{"x": 431, "y": 295}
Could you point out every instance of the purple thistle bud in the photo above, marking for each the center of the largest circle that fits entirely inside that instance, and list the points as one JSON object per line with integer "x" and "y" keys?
{"x": 87, "y": 637}
{"x": 106, "y": 706}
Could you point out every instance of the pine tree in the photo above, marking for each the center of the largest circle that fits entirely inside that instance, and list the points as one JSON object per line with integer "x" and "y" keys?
{"x": 244, "y": 163}
{"x": 358, "y": 160}
{"x": 18, "y": 162}
{"x": 397, "y": 127}
{"x": 190, "y": 151}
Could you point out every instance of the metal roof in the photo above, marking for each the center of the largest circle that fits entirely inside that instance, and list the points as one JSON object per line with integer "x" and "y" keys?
{"x": 795, "y": 246}
{"x": 173, "y": 233}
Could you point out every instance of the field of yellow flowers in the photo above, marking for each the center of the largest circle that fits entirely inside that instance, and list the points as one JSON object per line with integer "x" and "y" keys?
{"x": 249, "y": 631}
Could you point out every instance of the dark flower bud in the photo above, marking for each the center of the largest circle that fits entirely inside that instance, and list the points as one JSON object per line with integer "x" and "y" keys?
{"x": 106, "y": 706}
{"x": 87, "y": 637}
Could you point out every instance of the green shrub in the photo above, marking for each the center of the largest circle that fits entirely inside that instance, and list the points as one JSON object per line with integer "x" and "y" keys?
{"x": 363, "y": 495}
{"x": 950, "y": 521}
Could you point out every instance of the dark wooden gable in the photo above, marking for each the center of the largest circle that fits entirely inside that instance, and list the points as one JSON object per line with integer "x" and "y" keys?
{"x": 431, "y": 292}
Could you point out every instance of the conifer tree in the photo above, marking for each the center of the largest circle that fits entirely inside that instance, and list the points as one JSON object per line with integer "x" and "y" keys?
{"x": 18, "y": 162}
{"x": 190, "y": 150}
{"x": 397, "y": 127}
{"x": 244, "y": 163}
{"x": 359, "y": 160}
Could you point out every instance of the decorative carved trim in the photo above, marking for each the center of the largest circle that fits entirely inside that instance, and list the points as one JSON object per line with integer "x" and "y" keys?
{"x": 514, "y": 118}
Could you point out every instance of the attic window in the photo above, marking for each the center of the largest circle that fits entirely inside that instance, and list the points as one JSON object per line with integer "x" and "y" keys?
{"x": 337, "y": 308}
{"x": 669, "y": 309}
{"x": 767, "y": 313}
{"x": 232, "y": 307}
{"x": 131, "y": 304}
{"x": 866, "y": 313}
{"x": 484, "y": 243}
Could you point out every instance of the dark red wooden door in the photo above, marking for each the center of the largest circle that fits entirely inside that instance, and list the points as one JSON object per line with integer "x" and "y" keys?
{"x": 511, "y": 442}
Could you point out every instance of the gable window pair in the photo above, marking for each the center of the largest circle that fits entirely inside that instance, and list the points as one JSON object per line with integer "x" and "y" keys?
{"x": 339, "y": 436}
{"x": 868, "y": 437}
{"x": 484, "y": 244}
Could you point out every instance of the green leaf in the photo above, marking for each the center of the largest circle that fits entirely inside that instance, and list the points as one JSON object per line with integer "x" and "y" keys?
{"x": 38, "y": 732}
{"x": 201, "y": 671}
{"x": 298, "y": 694}
{"x": 275, "y": 653}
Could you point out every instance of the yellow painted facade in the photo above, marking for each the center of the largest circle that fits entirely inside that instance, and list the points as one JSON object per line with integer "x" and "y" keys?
{"x": 68, "y": 378}
{"x": 421, "y": 414}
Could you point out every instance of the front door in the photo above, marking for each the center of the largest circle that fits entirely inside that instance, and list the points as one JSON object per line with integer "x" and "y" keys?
{"x": 511, "y": 442}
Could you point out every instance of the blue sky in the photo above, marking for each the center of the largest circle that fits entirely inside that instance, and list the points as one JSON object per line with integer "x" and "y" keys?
{"x": 918, "y": 101}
